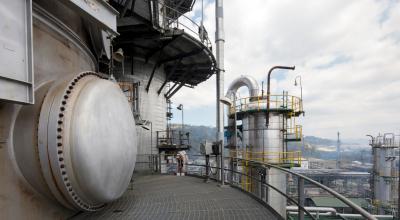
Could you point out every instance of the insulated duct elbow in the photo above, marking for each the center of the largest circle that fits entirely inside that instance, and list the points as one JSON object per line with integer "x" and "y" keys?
{"x": 247, "y": 81}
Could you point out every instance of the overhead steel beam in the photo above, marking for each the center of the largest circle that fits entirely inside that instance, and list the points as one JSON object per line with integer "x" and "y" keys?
{"x": 176, "y": 90}
{"x": 152, "y": 75}
{"x": 170, "y": 73}
{"x": 169, "y": 91}
{"x": 162, "y": 86}
{"x": 183, "y": 80}
{"x": 156, "y": 65}
{"x": 180, "y": 57}
{"x": 177, "y": 82}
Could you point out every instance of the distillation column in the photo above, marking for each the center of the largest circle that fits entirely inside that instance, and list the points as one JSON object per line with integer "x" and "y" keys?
{"x": 261, "y": 143}
{"x": 268, "y": 142}
{"x": 385, "y": 175}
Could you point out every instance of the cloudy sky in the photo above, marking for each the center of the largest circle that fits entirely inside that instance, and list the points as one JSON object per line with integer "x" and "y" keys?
{"x": 346, "y": 51}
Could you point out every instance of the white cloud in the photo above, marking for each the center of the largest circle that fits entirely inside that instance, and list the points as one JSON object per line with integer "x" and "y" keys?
{"x": 346, "y": 51}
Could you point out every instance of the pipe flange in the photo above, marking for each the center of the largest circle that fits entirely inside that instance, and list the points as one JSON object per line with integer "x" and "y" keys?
{"x": 60, "y": 153}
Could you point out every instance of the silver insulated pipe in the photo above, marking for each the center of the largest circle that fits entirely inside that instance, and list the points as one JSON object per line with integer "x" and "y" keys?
{"x": 252, "y": 86}
{"x": 247, "y": 81}
{"x": 219, "y": 43}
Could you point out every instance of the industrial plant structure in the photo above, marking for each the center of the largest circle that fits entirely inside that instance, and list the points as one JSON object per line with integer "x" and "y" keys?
{"x": 85, "y": 93}
{"x": 78, "y": 81}
{"x": 267, "y": 125}
{"x": 385, "y": 173}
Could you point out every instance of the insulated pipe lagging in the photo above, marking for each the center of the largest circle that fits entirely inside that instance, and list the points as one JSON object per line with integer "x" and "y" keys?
{"x": 251, "y": 85}
{"x": 247, "y": 81}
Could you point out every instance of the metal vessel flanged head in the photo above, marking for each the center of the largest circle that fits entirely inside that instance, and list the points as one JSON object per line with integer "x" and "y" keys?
{"x": 86, "y": 142}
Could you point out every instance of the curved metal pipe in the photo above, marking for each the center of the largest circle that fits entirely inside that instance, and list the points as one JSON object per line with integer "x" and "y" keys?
{"x": 269, "y": 88}
{"x": 243, "y": 80}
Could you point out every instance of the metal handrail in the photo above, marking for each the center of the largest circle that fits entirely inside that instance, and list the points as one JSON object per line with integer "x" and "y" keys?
{"x": 297, "y": 131}
{"x": 257, "y": 103}
{"x": 264, "y": 184}
{"x": 170, "y": 21}
{"x": 301, "y": 179}
{"x": 352, "y": 205}
{"x": 271, "y": 157}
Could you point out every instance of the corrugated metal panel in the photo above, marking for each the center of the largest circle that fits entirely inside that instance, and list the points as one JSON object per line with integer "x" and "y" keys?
{"x": 152, "y": 106}
{"x": 16, "y": 68}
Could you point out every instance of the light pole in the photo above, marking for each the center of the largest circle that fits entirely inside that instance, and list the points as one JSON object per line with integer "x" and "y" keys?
{"x": 180, "y": 107}
{"x": 301, "y": 86}
{"x": 301, "y": 91}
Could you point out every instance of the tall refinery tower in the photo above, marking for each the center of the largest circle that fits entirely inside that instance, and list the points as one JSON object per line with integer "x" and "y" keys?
{"x": 385, "y": 173}
{"x": 267, "y": 124}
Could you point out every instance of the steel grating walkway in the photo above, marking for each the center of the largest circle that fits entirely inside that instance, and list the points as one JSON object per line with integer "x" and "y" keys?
{"x": 172, "y": 197}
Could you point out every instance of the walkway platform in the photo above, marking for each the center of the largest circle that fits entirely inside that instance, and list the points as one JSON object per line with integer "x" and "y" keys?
{"x": 173, "y": 197}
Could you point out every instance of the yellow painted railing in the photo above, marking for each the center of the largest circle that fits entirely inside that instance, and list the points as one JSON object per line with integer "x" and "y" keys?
{"x": 295, "y": 132}
{"x": 277, "y": 102}
{"x": 292, "y": 158}
{"x": 278, "y": 157}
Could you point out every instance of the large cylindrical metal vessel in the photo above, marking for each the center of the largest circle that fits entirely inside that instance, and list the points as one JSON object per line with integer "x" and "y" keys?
{"x": 268, "y": 140}
{"x": 248, "y": 134}
{"x": 385, "y": 170}
{"x": 84, "y": 141}
{"x": 75, "y": 148}
{"x": 260, "y": 142}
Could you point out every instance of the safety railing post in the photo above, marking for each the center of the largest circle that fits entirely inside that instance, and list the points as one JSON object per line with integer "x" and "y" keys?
{"x": 151, "y": 160}
{"x": 301, "y": 198}
{"x": 159, "y": 163}
{"x": 262, "y": 182}
{"x": 156, "y": 163}
{"x": 232, "y": 173}
{"x": 266, "y": 179}
{"x": 207, "y": 169}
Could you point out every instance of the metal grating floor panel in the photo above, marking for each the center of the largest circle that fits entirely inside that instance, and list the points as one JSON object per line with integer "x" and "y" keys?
{"x": 172, "y": 197}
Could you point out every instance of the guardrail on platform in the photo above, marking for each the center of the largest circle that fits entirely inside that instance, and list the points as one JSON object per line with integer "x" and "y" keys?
{"x": 259, "y": 103}
{"x": 209, "y": 170}
{"x": 181, "y": 21}
{"x": 288, "y": 158}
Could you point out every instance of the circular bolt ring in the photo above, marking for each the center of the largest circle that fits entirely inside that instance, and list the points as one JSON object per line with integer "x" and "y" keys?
{"x": 79, "y": 202}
